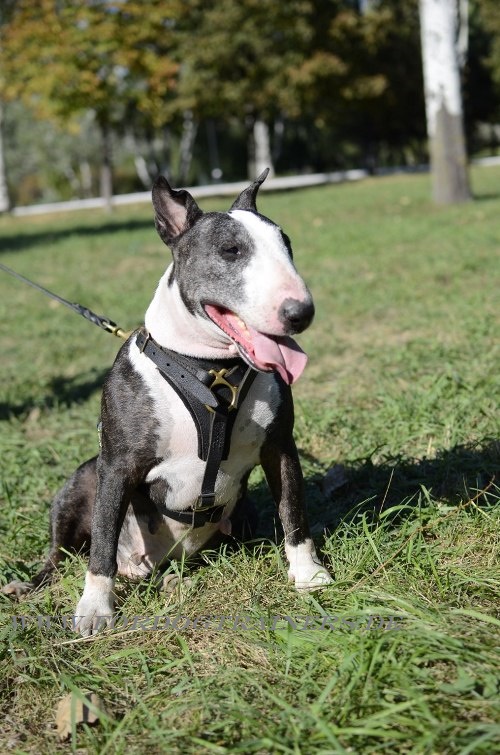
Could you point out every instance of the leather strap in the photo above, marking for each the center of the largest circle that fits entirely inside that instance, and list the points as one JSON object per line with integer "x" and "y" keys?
{"x": 212, "y": 397}
{"x": 180, "y": 377}
{"x": 197, "y": 518}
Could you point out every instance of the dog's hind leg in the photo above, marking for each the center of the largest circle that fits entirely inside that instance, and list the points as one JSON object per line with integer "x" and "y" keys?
{"x": 70, "y": 517}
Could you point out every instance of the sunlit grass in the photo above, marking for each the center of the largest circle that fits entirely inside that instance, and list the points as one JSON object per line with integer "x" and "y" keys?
{"x": 401, "y": 392}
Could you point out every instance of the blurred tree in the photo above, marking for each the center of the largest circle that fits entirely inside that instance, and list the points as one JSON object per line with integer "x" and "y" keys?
{"x": 490, "y": 12}
{"x": 487, "y": 18}
{"x": 46, "y": 161}
{"x": 309, "y": 84}
{"x": 4, "y": 191}
{"x": 480, "y": 83}
{"x": 363, "y": 79}
{"x": 111, "y": 57}
{"x": 6, "y": 8}
{"x": 238, "y": 60}
{"x": 443, "y": 100}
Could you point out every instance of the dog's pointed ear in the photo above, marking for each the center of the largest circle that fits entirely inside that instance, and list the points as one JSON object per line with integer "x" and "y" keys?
{"x": 175, "y": 210}
{"x": 246, "y": 200}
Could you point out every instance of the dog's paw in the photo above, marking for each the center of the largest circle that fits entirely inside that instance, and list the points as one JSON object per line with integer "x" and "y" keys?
{"x": 16, "y": 588}
{"x": 91, "y": 617}
{"x": 314, "y": 577}
{"x": 305, "y": 570}
{"x": 95, "y": 608}
{"x": 172, "y": 583}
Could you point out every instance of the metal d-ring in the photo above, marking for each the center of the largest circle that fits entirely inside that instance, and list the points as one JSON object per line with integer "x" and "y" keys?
{"x": 220, "y": 380}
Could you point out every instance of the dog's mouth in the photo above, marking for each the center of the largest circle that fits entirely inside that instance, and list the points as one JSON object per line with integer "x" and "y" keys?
{"x": 263, "y": 352}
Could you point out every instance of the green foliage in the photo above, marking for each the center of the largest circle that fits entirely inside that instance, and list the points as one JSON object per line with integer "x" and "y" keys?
{"x": 240, "y": 57}
{"x": 489, "y": 18}
{"x": 341, "y": 81}
{"x": 401, "y": 390}
{"x": 318, "y": 60}
{"x": 66, "y": 57}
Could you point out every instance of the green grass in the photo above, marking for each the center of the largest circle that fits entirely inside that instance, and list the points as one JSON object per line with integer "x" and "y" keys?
{"x": 401, "y": 391}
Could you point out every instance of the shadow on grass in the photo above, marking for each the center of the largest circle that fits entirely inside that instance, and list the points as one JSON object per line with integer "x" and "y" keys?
{"x": 453, "y": 476}
{"x": 450, "y": 477}
{"x": 61, "y": 391}
{"x": 486, "y": 197}
{"x": 20, "y": 241}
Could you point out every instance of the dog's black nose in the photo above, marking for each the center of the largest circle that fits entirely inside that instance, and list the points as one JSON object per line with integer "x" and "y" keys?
{"x": 296, "y": 315}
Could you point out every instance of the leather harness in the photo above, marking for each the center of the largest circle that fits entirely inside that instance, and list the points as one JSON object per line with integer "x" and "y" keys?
{"x": 213, "y": 393}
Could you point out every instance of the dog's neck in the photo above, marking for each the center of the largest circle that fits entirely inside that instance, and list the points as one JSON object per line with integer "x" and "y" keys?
{"x": 175, "y": 328}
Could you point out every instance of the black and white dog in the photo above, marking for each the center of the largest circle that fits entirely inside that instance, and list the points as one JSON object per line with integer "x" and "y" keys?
{"x": 193, "y": 402}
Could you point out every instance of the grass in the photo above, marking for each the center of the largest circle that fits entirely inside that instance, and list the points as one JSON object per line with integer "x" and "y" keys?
{"x": 401, "y": 397}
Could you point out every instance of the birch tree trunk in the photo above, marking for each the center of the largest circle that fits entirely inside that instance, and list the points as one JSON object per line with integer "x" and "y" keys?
{"x": 106, "y": 177}
{"x": 4, "y": 192}
{"x": 186, "y": 147}
{"x": 443, "y": 101}
{"x": 259, "y": 150}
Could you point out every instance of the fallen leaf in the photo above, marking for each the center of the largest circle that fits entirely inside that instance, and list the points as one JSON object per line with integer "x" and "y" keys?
{"x": 74, "y": 709}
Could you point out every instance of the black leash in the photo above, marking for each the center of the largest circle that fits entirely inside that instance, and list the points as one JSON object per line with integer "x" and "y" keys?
{"x": 102, "y": 322}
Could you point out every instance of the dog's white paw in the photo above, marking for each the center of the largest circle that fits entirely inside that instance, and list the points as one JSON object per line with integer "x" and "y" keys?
{"x": 313, "y": 578}
{"x": 95, "y": 608}
{"x": 16, "y": 588}
{"x": 305, "y": 570}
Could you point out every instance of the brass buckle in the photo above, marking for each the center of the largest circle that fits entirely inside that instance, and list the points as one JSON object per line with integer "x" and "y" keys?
{"x": 200, "y": 508}
{"x": 220, "y": 380}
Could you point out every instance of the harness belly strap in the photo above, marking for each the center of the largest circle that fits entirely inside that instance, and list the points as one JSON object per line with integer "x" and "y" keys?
{"x": 213, "y": 398}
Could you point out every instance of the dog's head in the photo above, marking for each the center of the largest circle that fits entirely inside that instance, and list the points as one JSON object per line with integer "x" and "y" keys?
{"x": 235, "y": 270}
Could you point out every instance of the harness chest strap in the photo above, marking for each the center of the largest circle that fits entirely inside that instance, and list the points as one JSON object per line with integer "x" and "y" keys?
{"x": 212, "y": 397}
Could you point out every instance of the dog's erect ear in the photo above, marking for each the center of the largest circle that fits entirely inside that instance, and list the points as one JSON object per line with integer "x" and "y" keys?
{"x": 175, "y": 211}
{"x": 246, "y": 200}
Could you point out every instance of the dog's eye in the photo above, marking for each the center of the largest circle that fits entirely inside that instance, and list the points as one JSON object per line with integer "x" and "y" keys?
{"x": 230, "y": 252}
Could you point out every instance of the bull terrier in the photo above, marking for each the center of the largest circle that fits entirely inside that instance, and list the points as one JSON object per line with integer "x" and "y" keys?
{"x": 194, "y": 401}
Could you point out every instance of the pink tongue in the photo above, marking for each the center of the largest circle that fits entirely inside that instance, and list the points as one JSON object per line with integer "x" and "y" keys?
{"x": 281, "y": 353}
{"x": 269, "y": 353}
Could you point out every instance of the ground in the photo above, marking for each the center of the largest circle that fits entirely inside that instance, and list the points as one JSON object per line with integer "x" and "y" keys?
{"x": 400, "y": 398}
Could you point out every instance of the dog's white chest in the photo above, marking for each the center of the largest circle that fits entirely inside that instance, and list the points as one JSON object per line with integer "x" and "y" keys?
{"x": 178, "y": 475}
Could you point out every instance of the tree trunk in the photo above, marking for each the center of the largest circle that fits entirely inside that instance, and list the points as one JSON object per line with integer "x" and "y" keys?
{"x": 86, "y": 178}
{"x": 4, "y": 191}
{"x": 107, "y": 167}
{"x": 259, "y": 150}
{"x": 443, "y": 101}
{"x": 189, "y": 130}
{"x": 141, "y": 168}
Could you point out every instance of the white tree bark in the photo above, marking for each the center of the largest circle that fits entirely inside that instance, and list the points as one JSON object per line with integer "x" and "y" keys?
{"x": 106, "y": 173}
{"x": 443, "y": 101}
{"x": 186, "y": 147}
{"x": 260, "y": 155}
{"x": 4, "y": 192}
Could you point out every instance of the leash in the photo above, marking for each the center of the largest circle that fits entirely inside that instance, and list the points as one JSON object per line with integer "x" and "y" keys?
{"x": 102, "y": 322}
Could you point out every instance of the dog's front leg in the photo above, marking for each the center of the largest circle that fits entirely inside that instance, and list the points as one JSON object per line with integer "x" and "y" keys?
{"x": 284, "y": 475}
{"x": 95, "y": 608}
